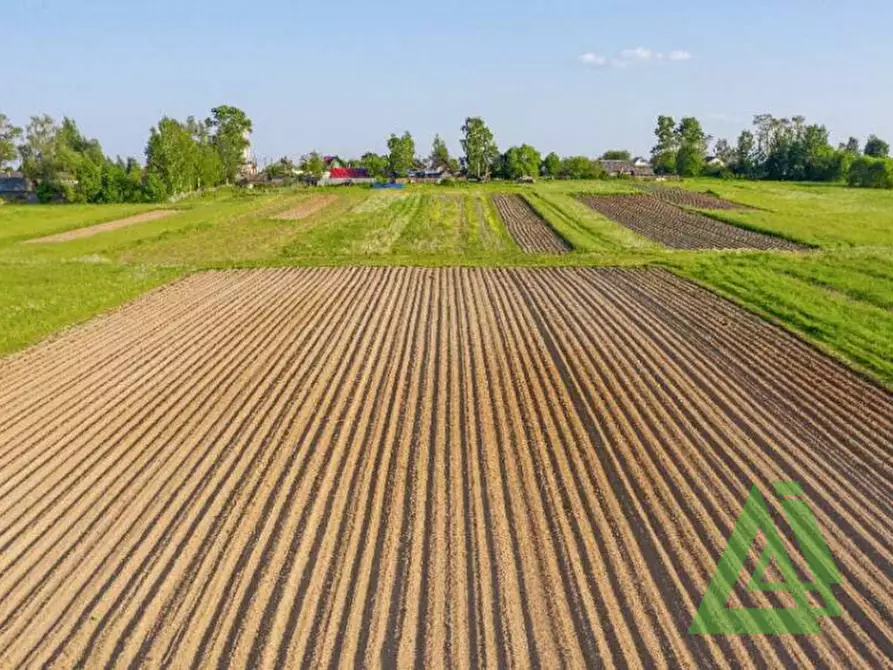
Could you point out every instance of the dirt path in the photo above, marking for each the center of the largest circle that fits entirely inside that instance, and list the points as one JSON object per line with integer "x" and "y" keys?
{"x": 306, "y": 208}
{"x": 680, "y": 229}
{"x": 396, "y": 466}
{"x": 104, "y": 227}
{"x": 531, "y": 233}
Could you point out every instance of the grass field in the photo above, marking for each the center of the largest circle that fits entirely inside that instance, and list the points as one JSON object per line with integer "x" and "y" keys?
{"x": 516, "y": 462}
{"x": 838, "y": 295}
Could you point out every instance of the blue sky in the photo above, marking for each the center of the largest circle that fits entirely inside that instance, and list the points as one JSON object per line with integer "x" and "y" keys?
{"x": 341, "y": 76}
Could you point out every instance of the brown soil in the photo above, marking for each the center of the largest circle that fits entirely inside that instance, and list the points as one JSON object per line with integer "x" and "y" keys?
{"x": 404, "y": 466}
{"x": 684, "y": 198}
{"x": 678, "y": 228}
{"x": 531, "y": 232}
{"x": 104, "y": 227}
{"x": 306, "y": 208}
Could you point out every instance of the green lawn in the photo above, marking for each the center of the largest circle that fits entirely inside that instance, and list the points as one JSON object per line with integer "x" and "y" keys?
{"x": 842, "y": 302}
{"x": 830, "y": 217}
{"x": 37, "y": 300}
{"x": 839, "y": 296}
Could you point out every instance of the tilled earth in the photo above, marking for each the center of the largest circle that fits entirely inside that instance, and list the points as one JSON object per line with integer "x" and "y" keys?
{"x": 678, "y": 228}
{"x": 685, "y": 198}
{"x": 529, "y": 230}
{"x": 400, "y": 467}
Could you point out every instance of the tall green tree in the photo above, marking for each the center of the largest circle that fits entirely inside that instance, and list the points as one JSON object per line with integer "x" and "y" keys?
{"x": 617, "y": 155}
{"x": 171, "y": 156}
{"x": 875, "y": 147}
{"x": 869, "y": 172}
{"x": 77, "y": 165}
{"x": 724, "y": 151}
{"x": 523, "y": 161}
{"x": 852, "y": 146}
{"x": 692, "y": 144}
{"x": 440, "y": 154}
{"x": 312, "y": 165}
{"x": 38, "y": 150}
{"x": 376, "y": 165}
{"x": 230, "y": 128}
{"x": 579, "y": 167}
{"x": 401, "y": 154}
{"x": 551, "y": 165}
{"x": 791, "y": 149}
{"x": 744, "y": 162}
{"x": 663, "y": 154}
{"x": 479, "y": 147}
{"x": 9, "y": 136}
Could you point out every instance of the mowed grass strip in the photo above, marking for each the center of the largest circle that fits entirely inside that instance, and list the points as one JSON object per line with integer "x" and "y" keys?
{"x": 827, "y": 216}
{"x": 39, "y": 300}
{"x": 405, "y": 466}
{"x": 843, "y": 304}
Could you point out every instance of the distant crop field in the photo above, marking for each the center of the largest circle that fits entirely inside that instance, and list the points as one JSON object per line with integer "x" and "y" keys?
{"x": 411, "y": 466}
{"x": 530, "y": 230}
{"x": 657, "y": 219}
{"x": 830, "y": 284}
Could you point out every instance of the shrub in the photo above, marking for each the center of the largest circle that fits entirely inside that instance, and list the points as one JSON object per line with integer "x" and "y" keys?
{"x": 867, "y": 172}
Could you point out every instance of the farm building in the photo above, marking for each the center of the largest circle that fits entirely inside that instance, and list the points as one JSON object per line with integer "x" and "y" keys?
{"x": 15, "y": 187}
{"x": 436, "y": 172}
{"x": 340, "y": 176}
{"x": 636, "y": 168}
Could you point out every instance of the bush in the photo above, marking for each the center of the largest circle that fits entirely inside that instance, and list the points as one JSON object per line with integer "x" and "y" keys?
{"x": 866, "y": 172}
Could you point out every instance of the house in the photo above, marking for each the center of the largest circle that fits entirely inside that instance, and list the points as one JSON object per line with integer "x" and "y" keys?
{"x": 714, "y": 162}
{"x": 435, "y": 173}
{"x": 14, "y": 187}
{"x": 345, "y": 176}
{"x": 634, "y": 168}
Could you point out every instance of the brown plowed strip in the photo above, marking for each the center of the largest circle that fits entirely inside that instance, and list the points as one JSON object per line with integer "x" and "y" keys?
{"x": 306, "y": 208}
{"x": 413, "y": 467}
{"x": 104, "y": 227}
{"x": 685, "y": 198}
{"x": 531, "y": 233}
{"x": 679, "y": 228}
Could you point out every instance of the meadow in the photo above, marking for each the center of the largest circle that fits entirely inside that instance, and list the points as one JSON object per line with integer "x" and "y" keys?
{"x": 838, "y": 294}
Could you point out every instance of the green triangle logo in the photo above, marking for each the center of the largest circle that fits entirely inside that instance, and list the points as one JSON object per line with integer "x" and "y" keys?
{"x": 715, "y": 618}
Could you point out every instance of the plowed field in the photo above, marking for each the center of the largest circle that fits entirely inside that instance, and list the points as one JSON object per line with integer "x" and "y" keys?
{"x": 529, "y": 230}
{"x": 679, "y": 228}
{"x": 407, "y": 467}
{"x": 683, "y": 198}
{"x": 90, "y": 231}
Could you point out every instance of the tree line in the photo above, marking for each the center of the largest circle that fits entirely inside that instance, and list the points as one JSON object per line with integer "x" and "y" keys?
{"x": 180, "y": 157}
{"x": 481, "y": 159}
{"x": 186, "y": 156}
{"x": 780, "y": 149}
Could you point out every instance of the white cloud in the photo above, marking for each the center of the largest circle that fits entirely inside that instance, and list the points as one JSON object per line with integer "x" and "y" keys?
{"x": 679, "y": 55}
{"x": 593, "y": 59}
{"x": 630, "y": 56}
{"x": 639, "y": 53}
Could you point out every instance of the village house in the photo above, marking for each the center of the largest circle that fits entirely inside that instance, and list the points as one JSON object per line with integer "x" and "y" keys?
{"x": 435, "y": 173}
{"x": 336, "y": 173}
{"x": 14, "y": 187}
{"x": 634, "y": 168}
